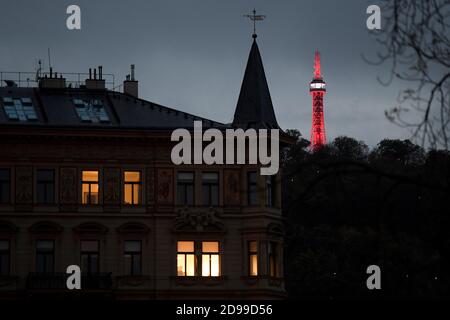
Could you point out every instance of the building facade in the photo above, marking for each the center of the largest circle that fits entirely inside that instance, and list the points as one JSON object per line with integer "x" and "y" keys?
{"x": 86, "y": 179}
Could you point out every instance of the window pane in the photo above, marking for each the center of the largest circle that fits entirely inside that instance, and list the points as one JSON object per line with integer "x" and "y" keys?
{"x": 132, "y": 176}
{"x": 205, "y": 193}
{"x": 181, "y": 267}
{"x": 94, "y": 194}
{"x": 91, "y": 246}
{"x": 215, "y": 195}
{"x": 4, "y": 245}
{"x": 4, "y": 174}
{"x": 136, "y": 194}
{"x": 128, "y": 194}
{"x": 185, "y": 246}
{"x": 210, "y": 246}
{"x": 189, "y": 194}
{"x": 190, "y": 267}
{"x": 210, "y": 177}
{"x": 132, "y": 246}
{"x": 85, "y": 193}
{"x": 253, "y": 246}
{"x": 136, "y": 264}
{"x": 205, "y": 265}
{"x": 253, "y": 265}
{"x": 45, "y": 245}
{"x": 45, "y": 175}
{"x": 90, "y": 176}
{"x": 186, "y": 176}
{"x": 181, "y": 192}
{"x": 215, "y": 265}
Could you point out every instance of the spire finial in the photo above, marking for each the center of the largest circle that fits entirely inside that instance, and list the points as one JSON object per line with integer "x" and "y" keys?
{"x": 317, "y": 74}
{"x": 254, "y": 17}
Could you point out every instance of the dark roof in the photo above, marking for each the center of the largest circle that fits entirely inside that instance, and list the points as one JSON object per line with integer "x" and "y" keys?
{"x": 56, "y": 108}
{"x": 254, "y": 108}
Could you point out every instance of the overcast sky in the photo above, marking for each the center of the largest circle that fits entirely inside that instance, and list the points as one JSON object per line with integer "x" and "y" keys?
{"x": 191, "y": 54}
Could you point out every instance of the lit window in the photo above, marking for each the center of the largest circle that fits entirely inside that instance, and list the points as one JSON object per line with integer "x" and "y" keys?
{"x": 272, "y": 254}
{"x": 210, "y": 259}
{"x": 45, "y": 256}
{"x": 132, "y": 187}
{"x": 210, "y": 188}
{"x": 5, "y": 185}
{"x": 185, "y": 258}
{"x": 5, "y": 258}
{"x": 270, "y": 191}
{"x": 90, "y": 256}
{"x": 185, "y": 188}
{"x": 91, "y": 110}
{"x": 89, "y": 187}
{"x": 45, "y": 180}
{"x": 253, "y": 258}
{"x": 133, "y": 257}
{"x": 252, "y": 188}
{"x": 20, "y": 109}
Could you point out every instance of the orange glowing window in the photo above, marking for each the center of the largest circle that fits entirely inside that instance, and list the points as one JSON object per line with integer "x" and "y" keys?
{"x": 253, "y": 258}
{"x": 132, "y": 187}
{"x": 210, "y": 259}
{"x": 186, "y": 258}
{"x": 89, "y": 187}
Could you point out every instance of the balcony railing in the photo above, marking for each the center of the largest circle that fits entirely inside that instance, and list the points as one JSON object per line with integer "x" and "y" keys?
{"x": 57, "y": 280}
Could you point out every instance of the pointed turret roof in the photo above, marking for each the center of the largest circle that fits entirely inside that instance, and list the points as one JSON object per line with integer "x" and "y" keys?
{"x": 254, "y": 108}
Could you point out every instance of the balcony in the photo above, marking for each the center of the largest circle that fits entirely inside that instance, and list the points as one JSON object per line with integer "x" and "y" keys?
{"x": 57, "y": 281}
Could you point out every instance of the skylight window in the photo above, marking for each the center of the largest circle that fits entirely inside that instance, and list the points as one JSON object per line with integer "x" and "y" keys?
{"x": 91, "y": 110}
{"x": 20, "y": 109}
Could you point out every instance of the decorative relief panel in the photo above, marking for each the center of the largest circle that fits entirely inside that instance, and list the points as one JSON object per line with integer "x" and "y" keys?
{"x": 24, "y": 185}
{"x": 198, "y": 220}
{"x": 68, "y": 185}
{"x": 165, "y": 186}
{"x": 232, "y": 187}
{"x": 111, "y": 178}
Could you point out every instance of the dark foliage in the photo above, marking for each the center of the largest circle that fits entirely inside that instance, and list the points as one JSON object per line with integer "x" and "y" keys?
{"x": 347, "y": 208}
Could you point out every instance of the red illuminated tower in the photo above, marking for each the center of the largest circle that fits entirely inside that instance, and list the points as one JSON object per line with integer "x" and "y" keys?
{"x": 317, "y": 90}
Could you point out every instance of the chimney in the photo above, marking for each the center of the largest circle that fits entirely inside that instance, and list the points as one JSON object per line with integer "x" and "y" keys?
{"x": 52, "y": 82}
{"x": 94, "y": 83}
{"x": 130, "y": 85}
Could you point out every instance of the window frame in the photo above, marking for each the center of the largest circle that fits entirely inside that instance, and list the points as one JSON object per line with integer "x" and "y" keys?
{"x": 208, "y": 185}
{"x": 46, "y": 254}
{"x": 8, "y": 183}
{"x": 184, "y": 186}
{"x": 132, "y": 254}
{"x": 90, "y": 183}
{"x": 185, "y": 254}
{"x": 46, "y": 183}
{"x": 132, "y": 184}
{"x": 90, "y": 254}
{"x": 210, "y": 254}
{"x": 250, "y": 254}
{"x": 6, "y": 253}
{"x": 272, "y": 259}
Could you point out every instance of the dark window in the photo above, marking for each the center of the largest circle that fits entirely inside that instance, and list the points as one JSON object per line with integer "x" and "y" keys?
{"x": 5, "y": 254}
{"x": 272, "y": 254}
{"x": 45, "y": 256}
{"x": 253, "y": 258}
{"x": 185, "y": 188}
{"x": 133, "y": 257}
{"x": 132, "y": 187}
{"x": 45, "y": 186}
{"x": 252, "y": 188}
{"x": 5, "y": 185}
{"x": 89, "y": 187}
{"x": 210, "y": 188}
{"x": 90, "y": 256}
{"x": 270, "y": 191}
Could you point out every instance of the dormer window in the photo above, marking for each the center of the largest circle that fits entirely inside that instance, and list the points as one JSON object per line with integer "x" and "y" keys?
{"x": 19, "y": 109}
{"x": 91, "y": 110}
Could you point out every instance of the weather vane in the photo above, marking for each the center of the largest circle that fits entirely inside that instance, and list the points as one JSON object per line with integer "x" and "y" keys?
{"x": 254, "y": 17}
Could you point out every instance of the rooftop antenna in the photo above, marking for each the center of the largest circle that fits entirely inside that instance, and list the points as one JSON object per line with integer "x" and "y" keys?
{"x": 255, "y": 17}
{"x": 49, "y": 61}
{"x": 39, "y": 69}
